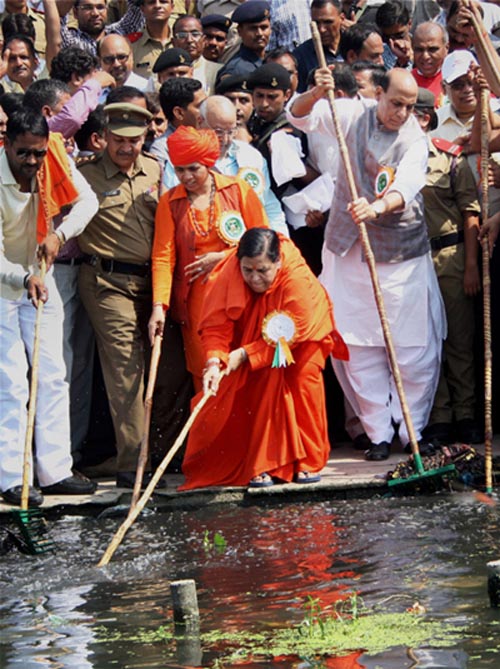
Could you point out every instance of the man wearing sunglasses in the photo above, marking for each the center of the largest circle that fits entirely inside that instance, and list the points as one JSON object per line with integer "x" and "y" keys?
{"x": 115, "y": 55}
{"x": 25, "y": 197}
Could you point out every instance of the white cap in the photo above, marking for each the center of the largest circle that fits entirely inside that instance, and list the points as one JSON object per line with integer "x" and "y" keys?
{"x": 456, "y": 64}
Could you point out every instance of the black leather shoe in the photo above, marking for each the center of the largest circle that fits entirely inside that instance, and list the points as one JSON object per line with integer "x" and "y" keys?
{"x": 127, "y": 480}
{"x": 361, "y": 442}
{"x": 13, "y": 496}
{"x": 72, "y": 485}
{"x": 468, "y": 432}
{"x": 438, "y": 433}
{"x": 378, "y": 451}
{"x": 424, "y": 447}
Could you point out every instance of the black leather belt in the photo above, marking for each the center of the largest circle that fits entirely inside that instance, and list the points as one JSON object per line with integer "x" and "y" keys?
{"x": 451, "y": 239}
{"x": 118, "y": 267}
{"x": 68, "y": 261}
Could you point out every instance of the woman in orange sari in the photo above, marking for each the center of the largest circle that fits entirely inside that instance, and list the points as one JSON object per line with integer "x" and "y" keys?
{"x": 267, "y": 327}
{"x": 196, "y": 225}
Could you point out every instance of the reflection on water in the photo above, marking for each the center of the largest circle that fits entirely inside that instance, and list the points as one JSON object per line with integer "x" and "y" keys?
{"x": 392, "y": 551}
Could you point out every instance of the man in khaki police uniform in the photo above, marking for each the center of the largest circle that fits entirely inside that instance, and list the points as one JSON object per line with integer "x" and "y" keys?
{"x": 452, "y": 215}
{"x": 155, "y": 37}
{"x": 115, "y": 278}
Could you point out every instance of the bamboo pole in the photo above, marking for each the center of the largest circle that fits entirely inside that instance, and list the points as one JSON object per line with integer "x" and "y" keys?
{"x": 141, "y": 503}
{"x": 370, "y": 260}
{"x": 148, "y": 406}
{"x": 35, "y": 364}
{"x": 488, "y": 428}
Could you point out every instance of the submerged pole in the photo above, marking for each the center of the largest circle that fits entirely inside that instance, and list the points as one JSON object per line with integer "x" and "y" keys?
{"x": 494, "y": 583}
{"x": 187, "y": 622}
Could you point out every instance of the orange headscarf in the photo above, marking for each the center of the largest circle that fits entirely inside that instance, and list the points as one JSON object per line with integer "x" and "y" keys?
{"x": 187, "y": 145}
{"x": 55, "y": 187}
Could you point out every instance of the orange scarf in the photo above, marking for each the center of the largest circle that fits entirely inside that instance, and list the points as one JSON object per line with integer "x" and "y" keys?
{"x": 55, "y": 187}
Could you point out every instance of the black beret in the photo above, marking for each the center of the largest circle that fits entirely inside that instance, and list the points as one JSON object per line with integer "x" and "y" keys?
{"x": 216, "y": 21}
{"x": 172, "y": 57}
{"x": 270, "y": 75}
{"x": 252, "y": 11}
{"x": 233, "y": 82}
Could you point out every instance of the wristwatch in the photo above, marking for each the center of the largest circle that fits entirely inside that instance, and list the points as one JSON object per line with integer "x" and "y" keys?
{"x": 379, "y": 208}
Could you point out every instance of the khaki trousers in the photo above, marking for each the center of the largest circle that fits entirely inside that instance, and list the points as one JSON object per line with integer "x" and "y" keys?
{"x": 119, "y": 306}
{"x": 455, "y": 396}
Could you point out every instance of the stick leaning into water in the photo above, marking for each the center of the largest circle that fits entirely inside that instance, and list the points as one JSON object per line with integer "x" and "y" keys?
{"x": 141, "y": 503}
{"x": 148, "y": 406}
{"x": 485, "y": 156}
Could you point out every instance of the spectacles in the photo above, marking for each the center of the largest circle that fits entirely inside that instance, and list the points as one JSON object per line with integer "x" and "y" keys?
{"x": 89, "y": 8}
{"x": 120, "y": 57}
{"x": 184, "y": 34}
{"x": 36, "y": 153}
{"x": 223, "y": 133}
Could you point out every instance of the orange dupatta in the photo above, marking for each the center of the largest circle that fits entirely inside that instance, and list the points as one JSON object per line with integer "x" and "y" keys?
{"x": 55, "y": 187}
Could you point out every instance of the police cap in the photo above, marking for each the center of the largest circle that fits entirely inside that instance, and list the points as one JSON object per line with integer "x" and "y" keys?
{"x": 172, "y": 57}
{"x": 126, "y": 119}
{"x": 218, "y": 21}
{"x": 270, "y": 75}
{"x": 231, "y": 83}
{"x": 252, "y": 11}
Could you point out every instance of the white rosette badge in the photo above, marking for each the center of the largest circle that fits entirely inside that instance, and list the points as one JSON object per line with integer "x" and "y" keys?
{"x": 279, "y": 330}
{"x": 231, "y": 227}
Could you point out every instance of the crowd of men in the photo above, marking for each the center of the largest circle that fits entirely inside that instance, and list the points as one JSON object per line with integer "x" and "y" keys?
{"x": 111, "y": 81}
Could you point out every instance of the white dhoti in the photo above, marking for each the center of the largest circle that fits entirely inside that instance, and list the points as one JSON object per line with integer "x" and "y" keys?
{"x": 417, "y": 320}
{"x": 52, "y": 435}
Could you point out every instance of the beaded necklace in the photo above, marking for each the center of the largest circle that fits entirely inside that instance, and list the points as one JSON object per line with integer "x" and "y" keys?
{"x": 192, "y": 213}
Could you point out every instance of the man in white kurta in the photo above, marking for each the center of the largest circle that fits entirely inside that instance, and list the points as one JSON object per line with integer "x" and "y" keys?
{"x": 388, "y": 154}
{"x": 20, "y": 289}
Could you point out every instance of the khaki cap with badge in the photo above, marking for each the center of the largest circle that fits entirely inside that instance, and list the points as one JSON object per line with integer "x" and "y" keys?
{"x": 126, "y": 119}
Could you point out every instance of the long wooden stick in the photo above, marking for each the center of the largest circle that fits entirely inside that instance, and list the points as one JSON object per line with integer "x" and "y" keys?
{"x": 35, "y": 363}
{"x": 135, "y": 511}
{"x": 148, "y": 406}
{"x": 370, "y": 260}
{"x": 485, "y": 156}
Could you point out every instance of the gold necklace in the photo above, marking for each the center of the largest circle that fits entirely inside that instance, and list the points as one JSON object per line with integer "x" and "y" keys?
{"x": 192, "y": 213}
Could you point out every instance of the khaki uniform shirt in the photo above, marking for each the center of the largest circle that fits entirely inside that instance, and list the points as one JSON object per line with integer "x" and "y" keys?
{"x": 146, "y": 51}
{"x": 123, "y": 227}
{"x": 449, "y": 193}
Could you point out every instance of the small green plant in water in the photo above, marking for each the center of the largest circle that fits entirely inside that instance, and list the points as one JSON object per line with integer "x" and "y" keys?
{"x": 215, "y": 544}
{"x": 312, "y": 625}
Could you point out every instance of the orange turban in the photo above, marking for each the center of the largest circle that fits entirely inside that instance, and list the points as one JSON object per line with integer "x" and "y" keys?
{"x": 187, "y": 145}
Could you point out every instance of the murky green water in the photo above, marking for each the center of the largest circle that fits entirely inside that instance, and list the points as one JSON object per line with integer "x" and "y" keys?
{"x": 56, "y": 610}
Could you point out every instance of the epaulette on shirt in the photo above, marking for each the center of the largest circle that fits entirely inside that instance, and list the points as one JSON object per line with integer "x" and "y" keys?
{"x": 83, "y": 160}
{"x": 447, "y": 147}
{"x": 133, "y": 37}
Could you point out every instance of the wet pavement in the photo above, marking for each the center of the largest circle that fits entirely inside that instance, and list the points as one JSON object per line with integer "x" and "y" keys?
{"x": 347, "y": 475}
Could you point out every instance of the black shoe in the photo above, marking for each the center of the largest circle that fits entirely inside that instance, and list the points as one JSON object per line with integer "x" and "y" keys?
{"x": 127, "y": 480}
{"x": 424, "y": 447}
{"x": 378, "y": 451}
{"x": 438, "y": 433}
{"x": 78, "y": 484}
{"x": 361, "y": 442}
{"x": 468, "y": 432}
{"x": 13, "y": 496}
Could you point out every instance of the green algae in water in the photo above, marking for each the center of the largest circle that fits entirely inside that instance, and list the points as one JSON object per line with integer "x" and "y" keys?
{"x": 372, "y": 633}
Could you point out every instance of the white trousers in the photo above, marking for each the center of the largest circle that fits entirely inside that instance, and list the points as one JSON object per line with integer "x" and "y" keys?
{"x": 78, "y": 351}
{"x": 366, "y": 378}
{"x": 52, "y": 436}
{"x": 369, "y": 387}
